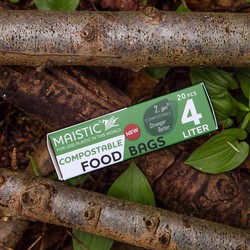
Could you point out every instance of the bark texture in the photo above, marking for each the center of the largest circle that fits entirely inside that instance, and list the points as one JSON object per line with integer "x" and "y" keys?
{"x": 133, "y": 39}
{"x": 74, "y": 96}
{"x": 222, "y": 198}
{"x": 54, "y": 202}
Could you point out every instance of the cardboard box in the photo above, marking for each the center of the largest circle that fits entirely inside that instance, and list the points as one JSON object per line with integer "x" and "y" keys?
{"x": 132, "y": 131}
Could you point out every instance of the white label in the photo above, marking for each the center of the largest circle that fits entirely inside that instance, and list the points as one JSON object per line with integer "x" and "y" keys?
{"x": 92, "y": 157}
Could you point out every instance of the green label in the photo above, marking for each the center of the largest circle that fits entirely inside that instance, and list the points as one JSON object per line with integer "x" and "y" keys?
{"x": 132, "y": 131}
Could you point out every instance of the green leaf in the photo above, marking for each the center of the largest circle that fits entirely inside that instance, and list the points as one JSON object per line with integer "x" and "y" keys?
{"x": 214, "y": 76}
{"x": 217, "y": 83}
{"x": 157, "y": 72}
{"x": 78, "y": 180}
{"x": 223, "y": 119}
{"x": 35, "y": 166}
{"x": 214, "y": 90}
{"x": 243, "y": 115}
{"x": 243, "y": 75}
{"x": 224, "y": 78}
{"x": 132, "y": 185}
{"x": 63, "y": 5}
{"x": 83, "y": 240}
{"x": 183, "y": 8}
{"x": 14, "y": 1}
{"x": 224, "y": 105}
{"x": 221, "y": 153}
{"x": 240, "y": 105}
{"x": 246, "y": 121}
{"x": 53, "y": 176}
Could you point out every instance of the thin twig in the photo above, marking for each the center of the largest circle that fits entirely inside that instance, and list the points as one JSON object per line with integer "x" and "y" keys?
{"x": 14, "y": 160}
{"x": 35, "y": 242}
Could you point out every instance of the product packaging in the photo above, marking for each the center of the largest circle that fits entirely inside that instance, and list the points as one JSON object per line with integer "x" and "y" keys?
{"x": 131, "y": 131}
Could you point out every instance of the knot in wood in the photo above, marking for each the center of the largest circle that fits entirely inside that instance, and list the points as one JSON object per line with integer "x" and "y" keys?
{"x": 152, "y": 13}
{"x": 89, "y": 214}
{"x": 36, "y": 199}
{"x": 165, "y": 239}
{"x": 227, "y": 188}
{"x": 32, "y": 196}
{"x": 92, "y": 213}
{"x": 88, "y": 33}
{"x": 151, "y": 223}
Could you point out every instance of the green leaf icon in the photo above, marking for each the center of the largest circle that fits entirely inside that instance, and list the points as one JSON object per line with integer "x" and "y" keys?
{"x": 110, "y": 123}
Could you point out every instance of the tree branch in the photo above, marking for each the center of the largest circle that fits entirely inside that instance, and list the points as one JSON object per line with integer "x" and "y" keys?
{"x": 54, "y": 202}
{"x": 133, "y": 39}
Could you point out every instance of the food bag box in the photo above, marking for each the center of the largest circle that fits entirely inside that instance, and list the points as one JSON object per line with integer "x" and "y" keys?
{"x": 131, "y": 131}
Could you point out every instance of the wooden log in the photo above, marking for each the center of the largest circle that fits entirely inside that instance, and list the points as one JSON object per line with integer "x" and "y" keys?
{"x": 74, "y": 96}
{"x": 152, "y": 228}
{"x": 134, "y": 39}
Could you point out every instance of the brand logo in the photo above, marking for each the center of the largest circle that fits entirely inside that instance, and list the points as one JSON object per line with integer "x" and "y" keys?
{"x": 110, "y": 123}
{"x": 85, "y": 132}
